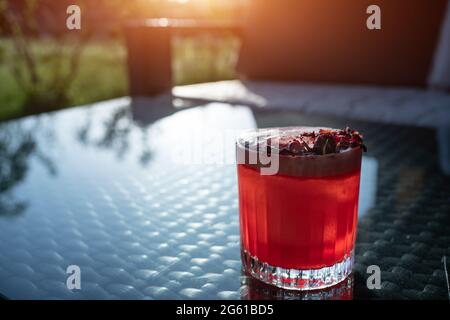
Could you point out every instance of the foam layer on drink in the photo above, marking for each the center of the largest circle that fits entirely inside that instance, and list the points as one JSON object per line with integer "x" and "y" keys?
{"x": 302, "y": 151}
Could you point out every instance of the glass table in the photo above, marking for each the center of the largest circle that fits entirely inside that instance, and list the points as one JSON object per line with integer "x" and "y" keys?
{"x": 142, "y": 196}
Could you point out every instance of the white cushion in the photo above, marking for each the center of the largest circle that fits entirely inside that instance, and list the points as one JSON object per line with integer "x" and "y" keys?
{"x": 408, "y": 106}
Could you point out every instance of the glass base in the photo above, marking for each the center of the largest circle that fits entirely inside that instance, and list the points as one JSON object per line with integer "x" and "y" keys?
{"x": 297, "y": 279}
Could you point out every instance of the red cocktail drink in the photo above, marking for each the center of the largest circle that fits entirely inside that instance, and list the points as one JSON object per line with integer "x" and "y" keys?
{"x": 298, "y": 226}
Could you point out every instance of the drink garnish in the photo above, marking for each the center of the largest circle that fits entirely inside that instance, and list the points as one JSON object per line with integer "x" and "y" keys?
{"x": 320, "y": 142}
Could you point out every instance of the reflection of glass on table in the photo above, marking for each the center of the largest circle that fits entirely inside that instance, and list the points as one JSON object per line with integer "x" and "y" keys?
{"x": 252, "y": 289}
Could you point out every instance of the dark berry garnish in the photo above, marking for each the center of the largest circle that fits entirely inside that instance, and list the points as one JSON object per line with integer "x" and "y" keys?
{"x": 325, "y": 143}
{"x": 321, "y": 142}
{"x": 296, "y": 147}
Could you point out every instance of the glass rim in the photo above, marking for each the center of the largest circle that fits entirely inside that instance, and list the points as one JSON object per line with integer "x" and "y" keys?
{"x": 310, "y": 165}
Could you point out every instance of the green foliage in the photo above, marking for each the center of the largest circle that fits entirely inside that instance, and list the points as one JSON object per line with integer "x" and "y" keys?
{"x": 101, "y": 75}
{"x": 204, "y": 58}
{"x": 102, "y": 72}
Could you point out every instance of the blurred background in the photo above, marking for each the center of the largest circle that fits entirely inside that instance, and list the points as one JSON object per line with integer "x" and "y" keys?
{"x": 45, "y": 67}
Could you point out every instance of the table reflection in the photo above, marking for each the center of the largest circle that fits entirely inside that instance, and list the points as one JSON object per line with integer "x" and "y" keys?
{"x": 253, "y": 289}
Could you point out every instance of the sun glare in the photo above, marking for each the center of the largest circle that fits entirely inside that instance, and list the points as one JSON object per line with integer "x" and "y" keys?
{"x": 180, "y": 1}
